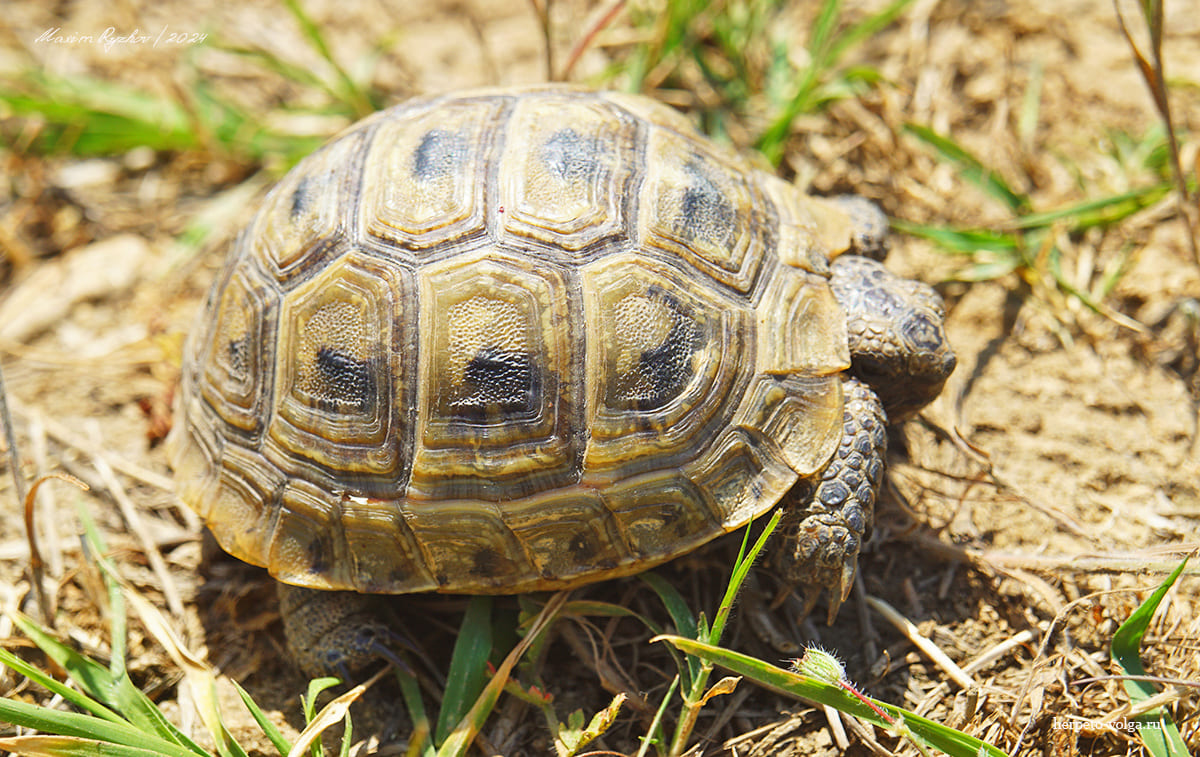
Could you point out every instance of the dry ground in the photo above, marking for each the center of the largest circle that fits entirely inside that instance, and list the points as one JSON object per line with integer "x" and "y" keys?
{"x": 1046, "y": 491}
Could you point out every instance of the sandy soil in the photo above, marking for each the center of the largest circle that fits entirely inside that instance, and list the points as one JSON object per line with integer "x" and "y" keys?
{"x": 1046, "y": 492}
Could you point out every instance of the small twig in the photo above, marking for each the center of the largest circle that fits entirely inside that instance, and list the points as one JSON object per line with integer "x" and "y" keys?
{"x": 133, "y": 520}
{"x": 1151, "y": 679}
{"x": 977, "y": 664}
{"x": 10, "y": 437}
{"x": 36, "y": 566}
{"x": 923, "y": 643}
{"x": 585, "y": 42}
{"x": 541, "y": 9}
{"x": 1152, "y": 72}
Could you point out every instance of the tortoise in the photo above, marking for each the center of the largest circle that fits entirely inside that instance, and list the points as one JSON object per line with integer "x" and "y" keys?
{"x": 512, "y": 340}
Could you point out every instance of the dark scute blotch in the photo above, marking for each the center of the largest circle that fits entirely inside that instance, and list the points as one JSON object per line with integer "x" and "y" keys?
{"x": 348, "y": 382}
{"x": 487, "y": 563}
{"x": 239, "y": 357}
{"x": 318, "y": 557}
{"x": 570, "y": 155}
{"x": 705, "y": 211}
{"x": 440, "y": 153}
{"x": 665, "y": 370}
{"x": 582, "y": 548}
{"x": 498, "y": 381}
{"x": 300, "y": 198}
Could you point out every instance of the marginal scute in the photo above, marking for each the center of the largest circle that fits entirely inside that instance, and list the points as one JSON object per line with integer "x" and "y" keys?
{"x": 339, "y": 375}
{"x": 799, "y": 415}
{"x": 801, "y": 328}
{"x": 424, "y": 181}
{"x": 664, "y": 357}
{"x": 307, "y": 546}
{"x": 565, "y": 172}
{"x": 500, "y": 411}
{"x": 661, "y": 514}
{"x": 384, "y": 553}
{"x": 466, "y": 544}
{"x": 743, "y": 479}
{"x": 566, "y": 533}
{"x": 194, "y": 447}
{"x": 240, "y": 503}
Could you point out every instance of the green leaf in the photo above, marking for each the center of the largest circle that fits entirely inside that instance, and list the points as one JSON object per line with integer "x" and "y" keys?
{"x": 92, "y": 677}
{"x": 1157, "y": 731}
{"x": 972, "y": 168}
{"x": 87, "y": 727}
{"x": 681, "y": 616}
{"x": 949, "y": 740}
{"x": 272, "y": 732}
{"x": 960, "y": 241}
{"x": 57, "y": 746}
{"x": 410, "y": 692}
{"x": 79, "y": 699}
{"x": 468, "y": 666}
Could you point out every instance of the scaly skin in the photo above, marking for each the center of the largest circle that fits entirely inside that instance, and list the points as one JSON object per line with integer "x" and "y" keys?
{"x": 900, "y": 360}
{"x": 336, "y": 632}
{"x": 824, "y": 532}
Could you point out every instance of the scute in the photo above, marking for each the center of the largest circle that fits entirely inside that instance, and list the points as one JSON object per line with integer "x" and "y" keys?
{"x": 565, "y": 172}
{"x": 697, "y": 206}
{"x": 505, "y": 341}
{"x": 424, "y": 181}
{"x": 339, "y": 373}
{"x": 500, "y": 414}
{"x": 666, "y": 356}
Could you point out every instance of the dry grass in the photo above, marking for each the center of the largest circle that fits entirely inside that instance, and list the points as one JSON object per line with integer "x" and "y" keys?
{"x": 1030, "y": 510}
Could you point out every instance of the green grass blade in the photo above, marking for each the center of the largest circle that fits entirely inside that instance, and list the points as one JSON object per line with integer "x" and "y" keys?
{"x": 79, "y": 699}
{"x": 272, "y": 732}
{"x": 308, "y": 703}
{"x": 354, "y": 95}
{"x": 682, "y": 617}
{"x": 950, "y": 741}
{"x": 410, "y": 692}
{"x": 741, "y": 569}
{"x": 972, "y": 168}
{"x": 1158, "y": 732}
{"x": 654, "y": 734}
{"x": 866, "y": 29}
{"x": 127, "y": 699}
{"x": 1100, "y": 212}
{"x": 961, "y": 241}
{"x": 92, "y": 677}
{"x": 73, "y": 746}
{"x": 468, "y": 667}
{"x": 822, "y": 32}
{"x": 677, "y": 606}
{"x": 94, "y": 117}
{"x": 87, "y": 727}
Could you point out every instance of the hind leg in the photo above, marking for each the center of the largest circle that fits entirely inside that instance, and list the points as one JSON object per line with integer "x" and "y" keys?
{"x": 337, "y": 632}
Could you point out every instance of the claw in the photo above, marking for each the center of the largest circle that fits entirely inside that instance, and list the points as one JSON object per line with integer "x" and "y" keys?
{"x": 809, "y": 596}
{"x": 835, "y": 604}
{"x": 846, "y": 580}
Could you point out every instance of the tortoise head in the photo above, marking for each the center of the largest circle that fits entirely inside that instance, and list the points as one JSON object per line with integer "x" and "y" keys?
{"x": 897, "y": 334}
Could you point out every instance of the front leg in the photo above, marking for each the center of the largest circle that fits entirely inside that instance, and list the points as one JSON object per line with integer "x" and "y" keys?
{"x": 823, "y": 530}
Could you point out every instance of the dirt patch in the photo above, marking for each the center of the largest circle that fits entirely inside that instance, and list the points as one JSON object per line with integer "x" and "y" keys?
{"x": 1046, "y": 491}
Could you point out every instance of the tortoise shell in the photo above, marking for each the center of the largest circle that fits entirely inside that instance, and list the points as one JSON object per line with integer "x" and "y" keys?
{"x": 510, "y": 340}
